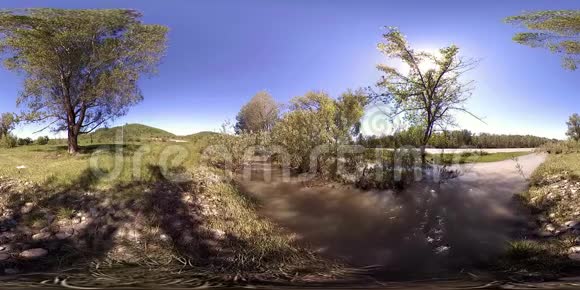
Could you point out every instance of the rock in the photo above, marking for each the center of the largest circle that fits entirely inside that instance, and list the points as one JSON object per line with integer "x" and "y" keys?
{"x": 4, "y": 256}
{"x": 76, "y": 220}
{"x": 41, "y": 236}
{"x": 572, "y": 224}
{"x": 63, "y": 235}
{"x": 27, "y": 208}
{"x": 164, "y": 237}
{"x": 574, "y": 256}
{"x": 550, "y": 227}
{"x": 574, "y": 250}
{"x": 552, "y": 215}
{"x": 34, "y": 253}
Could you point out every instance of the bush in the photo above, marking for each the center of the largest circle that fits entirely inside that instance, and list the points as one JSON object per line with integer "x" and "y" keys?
{"x": 232, "y": 151}
{"x": 24, "y": 141}
{"x": 42, "y": 140}
{"x": 8, "y": 141}
{"x": 561, "y": 147}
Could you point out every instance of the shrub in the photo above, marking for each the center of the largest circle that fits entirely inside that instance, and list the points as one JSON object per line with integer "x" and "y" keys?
{"x": 8, "y": 141}
{"x": 24, "y": 141}
{"x": 231, "y": 151}
{"x": 43, "y": 140}
{"x": 561, "y": 147}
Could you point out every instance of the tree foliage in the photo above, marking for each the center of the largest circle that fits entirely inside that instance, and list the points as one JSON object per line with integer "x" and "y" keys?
{"x": 7, "y": 123}
{"x": 427, "y": 97}
{"x": 557, "y": 30}
{"x": 317, "y": 119}
{"x": 81, "y": 67}
{"x": 573, "y": 127}
{"x": 42, "y": 140}
{"x": 24, "y": 141}
{"x": 8, "y": 141}
{"x": 454, "y": 139}
{"x": 258, "y": 115}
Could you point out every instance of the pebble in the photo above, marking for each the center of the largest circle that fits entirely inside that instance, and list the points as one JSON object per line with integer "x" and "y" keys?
{"x": 550, "y": 227}
{"x": 41, "y": 236}
{"x": 164, "y": 237}
{"x": 34, "y": 253}
{"x": 572, "y": 224}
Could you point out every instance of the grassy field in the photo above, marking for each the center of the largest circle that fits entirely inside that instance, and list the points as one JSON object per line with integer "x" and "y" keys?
{"x": 52, "y": 167}
{"x": 475, "y": 157}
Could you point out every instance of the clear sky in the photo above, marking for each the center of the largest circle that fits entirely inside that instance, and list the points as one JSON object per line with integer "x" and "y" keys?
{"x": 222, "y": 52}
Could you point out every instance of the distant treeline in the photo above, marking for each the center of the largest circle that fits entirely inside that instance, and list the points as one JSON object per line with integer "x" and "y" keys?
{"x": 454, "y": 139}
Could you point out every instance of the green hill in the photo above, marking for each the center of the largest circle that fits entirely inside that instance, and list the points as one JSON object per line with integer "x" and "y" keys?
{"x": 131, "y": 132}
{"x": 199, "y": 135}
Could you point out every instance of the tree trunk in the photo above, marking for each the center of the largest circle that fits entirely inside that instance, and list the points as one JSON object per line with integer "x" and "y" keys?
{"x": 73, "y": 145}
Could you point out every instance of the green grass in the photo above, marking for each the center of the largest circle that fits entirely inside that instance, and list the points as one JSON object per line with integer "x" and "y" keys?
{"x": 562, "y": 165}
{"x": 475, "y": 157}
{"x": 540, "y": 257}
{"x": 52, "y": 167}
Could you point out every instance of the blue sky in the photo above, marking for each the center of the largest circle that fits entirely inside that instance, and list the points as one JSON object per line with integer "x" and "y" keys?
{"x": 222, "y": 52}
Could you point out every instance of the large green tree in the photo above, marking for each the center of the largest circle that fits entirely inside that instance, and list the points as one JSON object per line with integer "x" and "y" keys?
{"x": 557, "y": 30}
{"x": 81, "y": 67}
{"x": 430, "y": 90}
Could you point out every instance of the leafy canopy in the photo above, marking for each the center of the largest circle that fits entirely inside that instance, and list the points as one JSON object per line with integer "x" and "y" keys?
{"x": 425, "y": 95}
{"x": 317, "y": 119}
{"x": 259, "y": 114}
{"x": 557, "y": 30}
{"x": 7, "y": 123}
{"x": 81, "y": 67}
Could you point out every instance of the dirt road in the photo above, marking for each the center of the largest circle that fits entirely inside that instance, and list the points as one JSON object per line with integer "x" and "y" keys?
{"x": 468, "y": 218}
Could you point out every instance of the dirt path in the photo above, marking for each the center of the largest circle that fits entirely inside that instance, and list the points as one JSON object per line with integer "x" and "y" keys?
{"x": 471, "y": 217}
